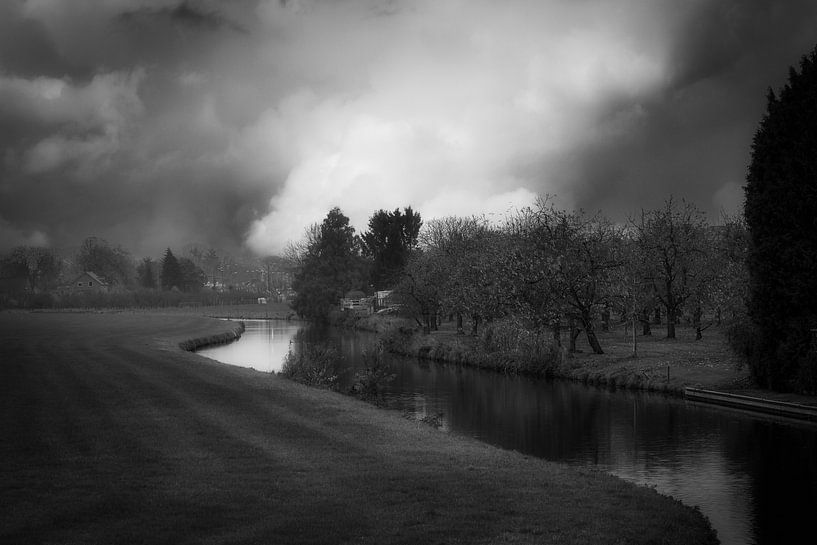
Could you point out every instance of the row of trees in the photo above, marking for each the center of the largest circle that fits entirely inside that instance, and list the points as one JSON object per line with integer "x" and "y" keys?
{"x": 33, "y": 270}
{"x": 567, "y": 270}
{"x": 171, "y": 273}
{"x": 550, "y": 266}
{"x": 557, "y": 270}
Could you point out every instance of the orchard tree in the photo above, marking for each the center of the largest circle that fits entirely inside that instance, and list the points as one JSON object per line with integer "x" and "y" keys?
{"x": 419, "y": 288}
{"x": 673, "y": 252}
{"x": 574, "y": 260}
{"x": 467, "y": 250}
{"x": 781, "y": 199}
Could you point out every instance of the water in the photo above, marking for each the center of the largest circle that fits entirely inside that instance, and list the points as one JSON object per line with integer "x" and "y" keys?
{"x": 755, "y": 477}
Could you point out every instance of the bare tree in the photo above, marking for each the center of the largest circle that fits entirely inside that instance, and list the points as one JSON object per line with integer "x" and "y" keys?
{"x": 673, "y": 252}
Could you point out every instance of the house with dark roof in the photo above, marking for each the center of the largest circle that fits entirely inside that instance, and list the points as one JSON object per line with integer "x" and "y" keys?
{"x": 87, "y": 282}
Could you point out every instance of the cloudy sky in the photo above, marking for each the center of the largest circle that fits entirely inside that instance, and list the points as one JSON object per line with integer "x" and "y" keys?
{"x": 156, "y": 123}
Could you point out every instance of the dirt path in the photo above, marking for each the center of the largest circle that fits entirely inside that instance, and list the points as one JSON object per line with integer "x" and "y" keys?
{"x": 110, "y": 434}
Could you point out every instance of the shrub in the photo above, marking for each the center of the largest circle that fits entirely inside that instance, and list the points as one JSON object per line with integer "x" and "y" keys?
{"x": 371, "y": 382}
{"x": 519, "y": 348}
{"x": 314, "y": 364}
{"x": 398, "y": 340}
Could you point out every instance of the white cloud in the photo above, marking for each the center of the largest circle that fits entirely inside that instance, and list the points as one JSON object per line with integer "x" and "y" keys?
{"x": 435, "y": 107}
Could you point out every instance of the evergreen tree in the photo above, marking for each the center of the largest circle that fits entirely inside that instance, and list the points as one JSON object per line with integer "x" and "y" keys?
{"x": 146, "y": 273}
{"x": 192, "y": 278}
{"x": 389, "y": 240}
{"x": 327, "y": 267}
{"x": 781, "y": 200}
{"x": 171, "y": 272}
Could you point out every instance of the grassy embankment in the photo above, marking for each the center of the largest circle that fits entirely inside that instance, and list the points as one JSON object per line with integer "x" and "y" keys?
{"x": 109, "y": 433}
{"x": 660, "y": 364}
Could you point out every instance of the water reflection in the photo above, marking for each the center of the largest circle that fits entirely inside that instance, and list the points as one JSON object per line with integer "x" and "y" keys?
{"x": 754, "y": 477}
{"x": 263, "y": 345}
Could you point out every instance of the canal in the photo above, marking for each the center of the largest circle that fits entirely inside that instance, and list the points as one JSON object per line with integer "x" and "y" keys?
{"x": 754, "y": 476}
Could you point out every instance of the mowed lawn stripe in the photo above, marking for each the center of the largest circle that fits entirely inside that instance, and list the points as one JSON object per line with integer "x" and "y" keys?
{"x": 112, "y": 434}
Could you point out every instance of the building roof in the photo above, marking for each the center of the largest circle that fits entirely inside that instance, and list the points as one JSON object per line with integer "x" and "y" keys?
{"x": 95, "y": 277}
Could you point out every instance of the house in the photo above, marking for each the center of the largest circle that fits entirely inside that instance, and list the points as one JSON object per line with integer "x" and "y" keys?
{"x": 356, "y": 302}
{"x": 87, "y": 282}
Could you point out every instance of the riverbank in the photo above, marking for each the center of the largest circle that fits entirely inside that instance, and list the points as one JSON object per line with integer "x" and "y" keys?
{"x": 111, "y": 433}
{"x": 659, "y": 364}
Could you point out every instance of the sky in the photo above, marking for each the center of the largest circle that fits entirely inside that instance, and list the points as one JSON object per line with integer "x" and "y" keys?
{"x": 236, "y": 124}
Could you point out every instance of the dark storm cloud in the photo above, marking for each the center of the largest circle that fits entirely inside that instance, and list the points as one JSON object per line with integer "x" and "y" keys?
{"x": 184, "y": 14}
{"x": 694, "y": 134}
{"x": 157, "y": 123}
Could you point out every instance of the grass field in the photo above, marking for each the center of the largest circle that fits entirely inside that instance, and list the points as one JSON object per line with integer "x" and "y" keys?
{"x": 109, "y": 433}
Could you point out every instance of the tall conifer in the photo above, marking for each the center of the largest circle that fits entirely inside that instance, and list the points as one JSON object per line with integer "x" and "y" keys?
{"x": 781, "y": 215}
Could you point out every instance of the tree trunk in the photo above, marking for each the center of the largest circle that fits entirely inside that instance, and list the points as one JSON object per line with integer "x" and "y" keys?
{"x": 475, "y": 320}
{"x": 696, "y": 318}
{"x": 574, "y": 334}
{"x": 657, "y": 317}
{"x": 645, "y": 323}
{"x": 671, "y": 314}
{"x": 592, "y": 340}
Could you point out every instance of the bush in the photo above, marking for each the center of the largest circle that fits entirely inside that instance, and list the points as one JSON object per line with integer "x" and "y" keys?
{"x": 314, "y": 364}
{"x": 519, "y": 349}
{"x": 398, "y": 340}
{"x": 371, "y": 382}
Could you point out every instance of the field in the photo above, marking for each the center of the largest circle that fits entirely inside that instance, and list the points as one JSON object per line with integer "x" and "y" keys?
{"x": 109, "y": 433}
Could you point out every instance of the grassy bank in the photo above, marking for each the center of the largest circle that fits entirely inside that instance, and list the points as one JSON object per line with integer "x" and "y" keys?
{"x": 659, "y": 364}
{"x": 110, "y": 433}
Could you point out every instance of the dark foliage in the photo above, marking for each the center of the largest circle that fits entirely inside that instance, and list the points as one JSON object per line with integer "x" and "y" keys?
{"x": 29, "y": 268}
{"x": 114, "y": 264}
{"x": 314, "y": 364}
{"x": 330, "y": 266}
{"x": 146, "y": 274}
{"x": 372, "y": 381}
{"x": 781, "y": 200}
{"x": 171, "y": 271}
{"x": 389, "y": 240}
